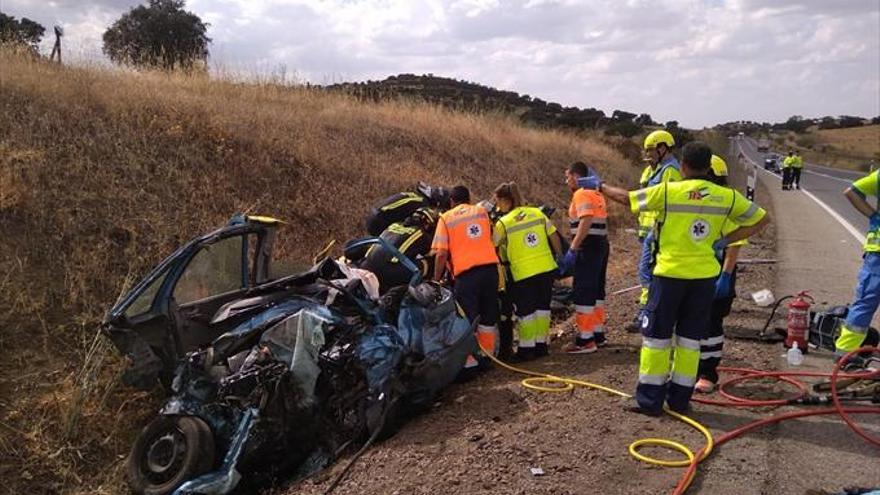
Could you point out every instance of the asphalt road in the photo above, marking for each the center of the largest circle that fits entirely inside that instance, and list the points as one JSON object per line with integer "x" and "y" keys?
{"x": 826, "y": 184}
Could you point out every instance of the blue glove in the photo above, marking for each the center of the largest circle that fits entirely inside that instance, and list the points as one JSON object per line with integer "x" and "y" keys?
{"x": 722, "y": 286}
{"x": 560, "y": 265}
{"x": 875, "y": 221}
{"x": 591, "y": 182}
{"x": 567, "y": 261}
{"x": 719, "y": 246}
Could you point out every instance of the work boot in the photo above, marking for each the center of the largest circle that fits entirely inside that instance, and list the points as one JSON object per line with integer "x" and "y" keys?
{"x": 541, "y": 350}
{"x": 523, "y": 354}
{"x": 601, "y": 341}
{"x": 575, "y": 348}
{"x": 704, "y": 386}
{"x": 632, "y": 405}
{"x": 688, "y": 409}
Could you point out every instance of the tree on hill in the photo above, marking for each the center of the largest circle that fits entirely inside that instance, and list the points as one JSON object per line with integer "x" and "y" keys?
{"x": 622, "y": 115}
{"x": 828, "y": 123}
{"x": 797, "y": 124}
{"x": 24, "y": 32}
{"x": 161, "y": 35}
{"x": 644, "y": 119}
{"x": 850, "y": 121}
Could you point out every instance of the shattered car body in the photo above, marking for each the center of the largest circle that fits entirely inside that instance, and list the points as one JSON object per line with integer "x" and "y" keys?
{"x": 296, "y": 370}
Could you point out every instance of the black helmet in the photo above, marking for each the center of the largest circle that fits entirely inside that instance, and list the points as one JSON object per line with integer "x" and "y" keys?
{"x": 440, "y": 198}
{"x": 425, "y": 218}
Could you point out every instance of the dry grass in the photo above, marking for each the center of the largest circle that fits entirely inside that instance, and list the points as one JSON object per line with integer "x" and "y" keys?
{"x": 103, "y": 173}
{"x": 852, "y": 148}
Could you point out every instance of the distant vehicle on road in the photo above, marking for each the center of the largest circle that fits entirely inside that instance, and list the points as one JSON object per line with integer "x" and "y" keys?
{"x": 771, "y": 163}
{"x": 763, "y": 146}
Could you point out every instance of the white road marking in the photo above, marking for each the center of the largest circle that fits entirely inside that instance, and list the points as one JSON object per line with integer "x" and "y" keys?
{"x": 828, "y": 176}
{"x": 846, "y": 225}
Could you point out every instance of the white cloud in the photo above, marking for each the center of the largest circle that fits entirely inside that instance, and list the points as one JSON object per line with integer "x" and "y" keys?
{"x": 696, "y": 61}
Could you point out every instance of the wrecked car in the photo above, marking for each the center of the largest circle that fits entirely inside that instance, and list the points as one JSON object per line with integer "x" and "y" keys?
{"x": 275, "y": 377}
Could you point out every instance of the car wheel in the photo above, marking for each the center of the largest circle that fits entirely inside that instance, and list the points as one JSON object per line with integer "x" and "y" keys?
{"x": 169, "y": 451}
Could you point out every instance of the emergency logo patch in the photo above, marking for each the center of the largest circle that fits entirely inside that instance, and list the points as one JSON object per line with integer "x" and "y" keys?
{"x": 699, "y": 194}
{"x": 531, "y": 239}
{"x": 699, "y": 229}
{"x": 474, "y": 230}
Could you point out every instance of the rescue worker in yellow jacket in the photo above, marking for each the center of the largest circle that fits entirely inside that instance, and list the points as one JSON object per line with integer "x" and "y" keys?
{"x": 664, "y": 168}
{"x": 856, "y": 330}
{"x": 526, "y": 240}
{"x": 797, "y": 166}
{"x": 692, "y": 215}
{"x": 787, "y": 167}
{"x": 712, "y": 345}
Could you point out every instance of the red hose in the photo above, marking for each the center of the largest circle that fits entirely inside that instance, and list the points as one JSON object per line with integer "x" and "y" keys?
{"x": 735, "y": 401}
{"x": 836, "y": 399}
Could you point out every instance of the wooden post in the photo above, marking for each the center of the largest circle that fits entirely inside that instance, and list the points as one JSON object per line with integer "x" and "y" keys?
{"x": 59, "y": 32}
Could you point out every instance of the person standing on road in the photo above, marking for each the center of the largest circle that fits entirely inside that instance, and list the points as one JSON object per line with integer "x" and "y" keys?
{"x": 725, "y": 292}
{"x": 464, "y": 239}
{"x": 797, "y": 165}
{"x": 786, "y": 170}
{"x": 524, "y": 237}
{"x": 855, "y": 332}
{"x": 588, "y": 255}
{"x": 664, "y": 168}
{"x": 692, "y": 215}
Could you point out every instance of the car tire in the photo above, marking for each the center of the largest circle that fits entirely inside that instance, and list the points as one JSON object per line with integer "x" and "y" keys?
{"x": 168, "y": 452}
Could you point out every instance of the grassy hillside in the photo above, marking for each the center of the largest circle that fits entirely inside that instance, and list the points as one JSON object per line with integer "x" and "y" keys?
{"x": 102, "y": 174}
{"x": 853, "y": 147}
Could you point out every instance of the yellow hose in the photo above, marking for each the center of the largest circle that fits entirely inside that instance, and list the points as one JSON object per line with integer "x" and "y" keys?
{"x": 543, "y": 382}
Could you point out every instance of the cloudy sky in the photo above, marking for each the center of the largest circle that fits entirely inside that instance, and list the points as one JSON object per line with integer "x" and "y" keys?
{"x": 698, "y": 61}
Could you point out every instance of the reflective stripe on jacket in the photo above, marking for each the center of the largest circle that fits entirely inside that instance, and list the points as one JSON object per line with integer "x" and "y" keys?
{"x": 466, "y": 233}
{"x": 522, "y": 237}
{"x": 692, "y": 216}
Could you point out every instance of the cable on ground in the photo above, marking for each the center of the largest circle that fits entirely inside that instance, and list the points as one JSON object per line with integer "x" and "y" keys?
{"x": 544, "y": 382}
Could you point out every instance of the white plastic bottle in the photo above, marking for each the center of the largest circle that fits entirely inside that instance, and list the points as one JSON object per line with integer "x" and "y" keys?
{"x": 794, "y": 355}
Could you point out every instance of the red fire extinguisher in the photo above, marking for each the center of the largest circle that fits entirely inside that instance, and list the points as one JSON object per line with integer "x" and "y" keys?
{"x": 799, "y": 321}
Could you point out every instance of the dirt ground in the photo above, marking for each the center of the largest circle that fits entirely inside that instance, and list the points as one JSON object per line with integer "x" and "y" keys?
{"x": 487, "y": 435}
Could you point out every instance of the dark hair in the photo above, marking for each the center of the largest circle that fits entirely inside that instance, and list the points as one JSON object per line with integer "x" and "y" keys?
{"x": 460, "y": 194}
{"x": 509, "y": 191}
{"x": 579, "y": 168}
{"x": 697, "y": 155}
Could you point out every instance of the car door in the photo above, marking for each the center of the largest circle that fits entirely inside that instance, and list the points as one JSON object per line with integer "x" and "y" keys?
{"x": 217, "y": 273}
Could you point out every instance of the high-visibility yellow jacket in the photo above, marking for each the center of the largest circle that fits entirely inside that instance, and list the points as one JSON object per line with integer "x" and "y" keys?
{"x": 865, "y": 187}
{"x": 523, "y": 240}
{"x": 692, "y": 215}
{"x": 668, "y": 171}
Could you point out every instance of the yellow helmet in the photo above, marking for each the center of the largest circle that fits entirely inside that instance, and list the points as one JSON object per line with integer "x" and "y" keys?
{"x": 658, "y": 137}
{"x": 718, "y": 166}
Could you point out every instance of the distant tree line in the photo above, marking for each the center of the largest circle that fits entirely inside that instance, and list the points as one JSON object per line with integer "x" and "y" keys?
{"x": 797, "y": 124}
{"x": 469, "y": 96}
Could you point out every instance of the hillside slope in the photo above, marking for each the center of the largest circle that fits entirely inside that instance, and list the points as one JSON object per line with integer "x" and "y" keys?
{"x": 854, "y": 148}
{"x": 102, "y": 174}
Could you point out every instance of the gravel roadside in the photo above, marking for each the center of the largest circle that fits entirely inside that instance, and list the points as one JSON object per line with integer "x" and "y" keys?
{"x": 485, "y": 436}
